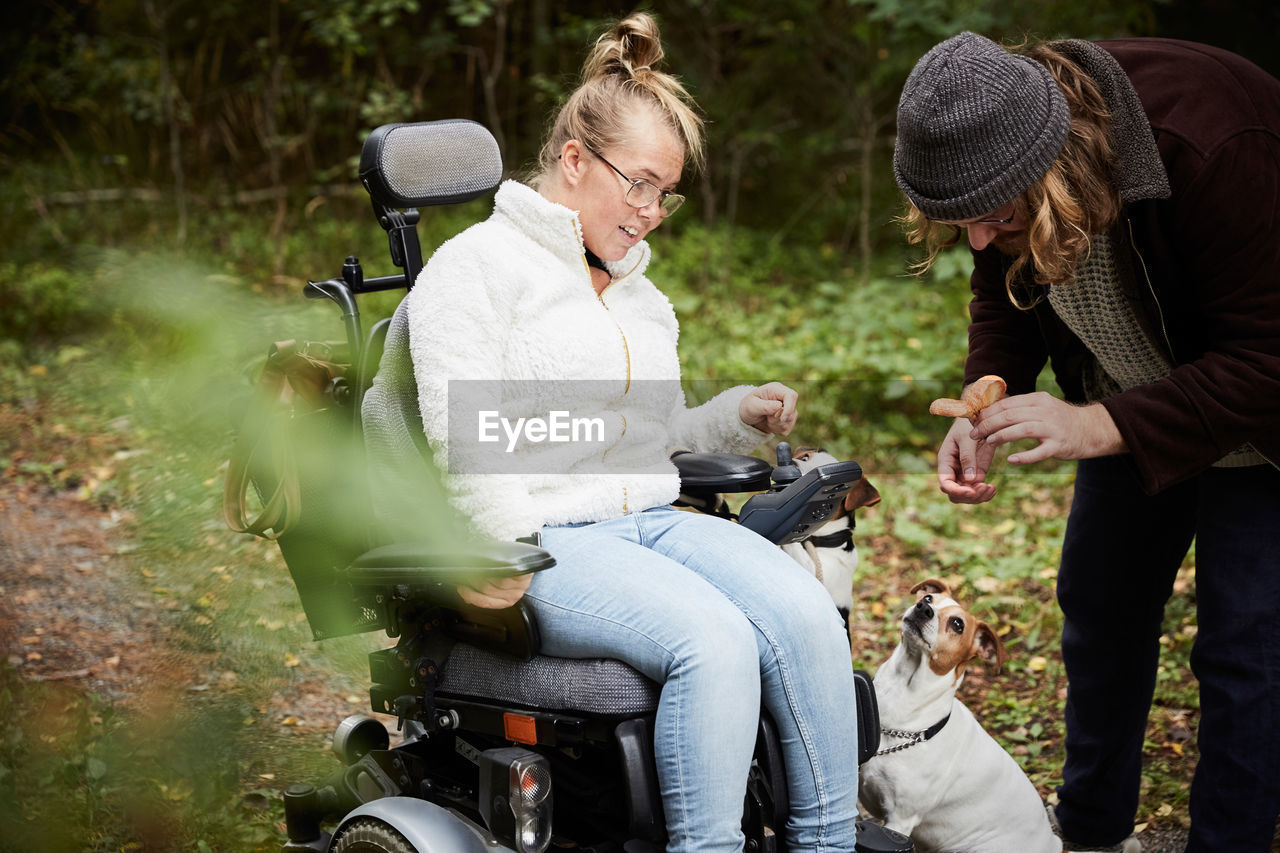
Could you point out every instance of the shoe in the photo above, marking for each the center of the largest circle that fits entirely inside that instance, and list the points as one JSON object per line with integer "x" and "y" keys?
{"x": 1129, "y": 845}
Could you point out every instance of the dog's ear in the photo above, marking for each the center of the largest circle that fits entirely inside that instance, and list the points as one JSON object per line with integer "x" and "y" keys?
{"x": 932, "y": 586}
{"x": 989, "y": 648}
{"x": 862, "y": 494}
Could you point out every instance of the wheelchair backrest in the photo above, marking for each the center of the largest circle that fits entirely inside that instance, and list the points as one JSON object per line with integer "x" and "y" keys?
{"x": 365, "y": 475}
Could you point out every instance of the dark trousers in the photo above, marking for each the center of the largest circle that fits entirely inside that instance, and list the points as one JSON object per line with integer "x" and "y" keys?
{"x": 1121, "y": 553}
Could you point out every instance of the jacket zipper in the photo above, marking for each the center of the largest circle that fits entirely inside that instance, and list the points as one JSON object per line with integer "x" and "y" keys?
{"x": 626, "y": 348}
{"x": 1146, "y": 277}
{"x": 626, "y": 353}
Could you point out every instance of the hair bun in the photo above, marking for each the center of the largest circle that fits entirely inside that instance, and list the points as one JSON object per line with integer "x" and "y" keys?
{"x": 619, "y": 78}
{"x": 632, "y": 47}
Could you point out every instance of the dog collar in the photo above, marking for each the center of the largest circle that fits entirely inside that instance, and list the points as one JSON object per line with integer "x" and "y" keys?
{"x": 912, "y": 738}
{"x": 842, "y": 539}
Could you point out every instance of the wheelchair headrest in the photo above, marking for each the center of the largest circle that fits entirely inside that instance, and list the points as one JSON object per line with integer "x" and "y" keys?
{"x": 429, "y": 162}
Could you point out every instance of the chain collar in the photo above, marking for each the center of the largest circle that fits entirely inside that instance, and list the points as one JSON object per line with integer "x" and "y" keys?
{"x": 911, "y": 738}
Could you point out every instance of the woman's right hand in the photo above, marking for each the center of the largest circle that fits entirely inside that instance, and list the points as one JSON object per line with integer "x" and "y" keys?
{"x": 495, "y": 594}
{"x": 963, "y": 464}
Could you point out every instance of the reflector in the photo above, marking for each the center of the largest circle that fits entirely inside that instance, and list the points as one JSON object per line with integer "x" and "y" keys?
{"x": 520, "y": 728}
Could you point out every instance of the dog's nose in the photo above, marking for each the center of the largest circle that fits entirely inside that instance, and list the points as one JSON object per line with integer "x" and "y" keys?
{"x": 923, "y": 610}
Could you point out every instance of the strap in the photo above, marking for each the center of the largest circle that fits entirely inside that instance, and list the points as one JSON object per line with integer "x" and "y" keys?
{"x": 936, "y": 727}
{"x": 593, "y": 260}
{"x": 815, "y": 559}
{"x": 280, "y": 510}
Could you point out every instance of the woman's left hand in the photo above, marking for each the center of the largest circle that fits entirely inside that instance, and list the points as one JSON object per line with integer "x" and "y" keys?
{"x": 770, "y": 408}
{"x": 1063, "y": 430}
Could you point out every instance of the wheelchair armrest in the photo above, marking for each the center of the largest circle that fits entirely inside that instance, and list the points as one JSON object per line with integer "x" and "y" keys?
{"x": 418, "y": 564}
{"x": 721, "y": 472}
{"x": 791, "y": 513}
{"x": 429, "y": 574}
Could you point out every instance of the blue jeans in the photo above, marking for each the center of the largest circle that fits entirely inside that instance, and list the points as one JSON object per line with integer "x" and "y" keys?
{"x": 723, "y": 620}
{"x": 1121, "y": 553}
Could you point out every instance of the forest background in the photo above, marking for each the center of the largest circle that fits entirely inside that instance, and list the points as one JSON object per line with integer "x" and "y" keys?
{"x": 173, "y": 172}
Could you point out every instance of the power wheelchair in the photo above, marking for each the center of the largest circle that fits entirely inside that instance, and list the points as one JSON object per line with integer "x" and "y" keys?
{"x": 486, "y": 724}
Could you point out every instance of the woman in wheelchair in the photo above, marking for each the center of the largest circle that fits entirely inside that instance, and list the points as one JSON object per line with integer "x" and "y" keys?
{"x": 548, "y": 299}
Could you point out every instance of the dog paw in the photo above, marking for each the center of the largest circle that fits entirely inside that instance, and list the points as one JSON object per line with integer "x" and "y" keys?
{"x": 976, "y": 397}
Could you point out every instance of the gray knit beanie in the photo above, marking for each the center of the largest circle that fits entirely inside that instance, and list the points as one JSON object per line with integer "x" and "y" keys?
{"x": 977, "y": 126}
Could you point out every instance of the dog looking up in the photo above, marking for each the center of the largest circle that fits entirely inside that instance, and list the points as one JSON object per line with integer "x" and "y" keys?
{"x": 829, "y": 554}
{"x": 939, "y": 777}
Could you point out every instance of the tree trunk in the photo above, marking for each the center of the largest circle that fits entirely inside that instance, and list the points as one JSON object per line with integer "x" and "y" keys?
{"x": 272, "y": 140}
{"x": 870, "y": 130}
{"x": 160, "y": 23}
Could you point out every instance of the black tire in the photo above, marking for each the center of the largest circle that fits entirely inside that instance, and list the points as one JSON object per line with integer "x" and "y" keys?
{"x": 370, "y": 835}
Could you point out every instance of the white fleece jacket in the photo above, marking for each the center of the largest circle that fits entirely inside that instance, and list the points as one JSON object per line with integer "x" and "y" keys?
{"x": 510, "y": 300}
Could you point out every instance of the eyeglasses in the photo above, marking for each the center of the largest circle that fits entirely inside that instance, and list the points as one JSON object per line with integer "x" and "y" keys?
{"x": 642, "y": 193}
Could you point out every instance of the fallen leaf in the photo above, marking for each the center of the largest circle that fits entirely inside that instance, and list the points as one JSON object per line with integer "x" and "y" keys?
{"x": 987, "y": 584}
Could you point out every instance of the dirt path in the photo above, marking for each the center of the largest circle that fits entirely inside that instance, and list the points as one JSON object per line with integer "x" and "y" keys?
{"x": 74, "y": 611}
{"x": 68, "y": 611}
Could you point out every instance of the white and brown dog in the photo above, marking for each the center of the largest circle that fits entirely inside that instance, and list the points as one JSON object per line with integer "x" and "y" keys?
{"x": 938, "y": 777}
{"x": 829, "y": 554}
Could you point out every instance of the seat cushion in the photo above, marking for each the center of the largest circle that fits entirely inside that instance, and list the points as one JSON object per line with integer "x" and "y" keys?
{"x": 593, "y": 686}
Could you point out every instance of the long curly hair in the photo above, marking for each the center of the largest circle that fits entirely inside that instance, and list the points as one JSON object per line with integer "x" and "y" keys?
{"x": 1075, "y": 198}
{"x": 620, "y": 75}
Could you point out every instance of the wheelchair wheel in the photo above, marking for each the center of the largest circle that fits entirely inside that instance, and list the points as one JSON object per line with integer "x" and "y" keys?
{"x": 370, "y": 835}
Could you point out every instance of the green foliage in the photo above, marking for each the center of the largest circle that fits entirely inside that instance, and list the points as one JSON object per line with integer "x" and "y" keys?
{"x": 79, "y": 775}
{"x": 194, "y": 98}
{"x": 42, "y": 301}
{"x": 866, "y": 356}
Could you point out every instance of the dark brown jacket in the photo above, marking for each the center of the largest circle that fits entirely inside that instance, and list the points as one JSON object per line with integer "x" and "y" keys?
{"x": 1207, "y": 258}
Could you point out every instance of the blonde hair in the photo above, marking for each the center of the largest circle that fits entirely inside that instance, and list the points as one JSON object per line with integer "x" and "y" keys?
{"x": 619, "y": 75}
{"x": 1075, "y": 198}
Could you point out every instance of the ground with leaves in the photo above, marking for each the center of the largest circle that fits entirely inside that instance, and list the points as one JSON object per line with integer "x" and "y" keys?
{"x": 99, "y": 685}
